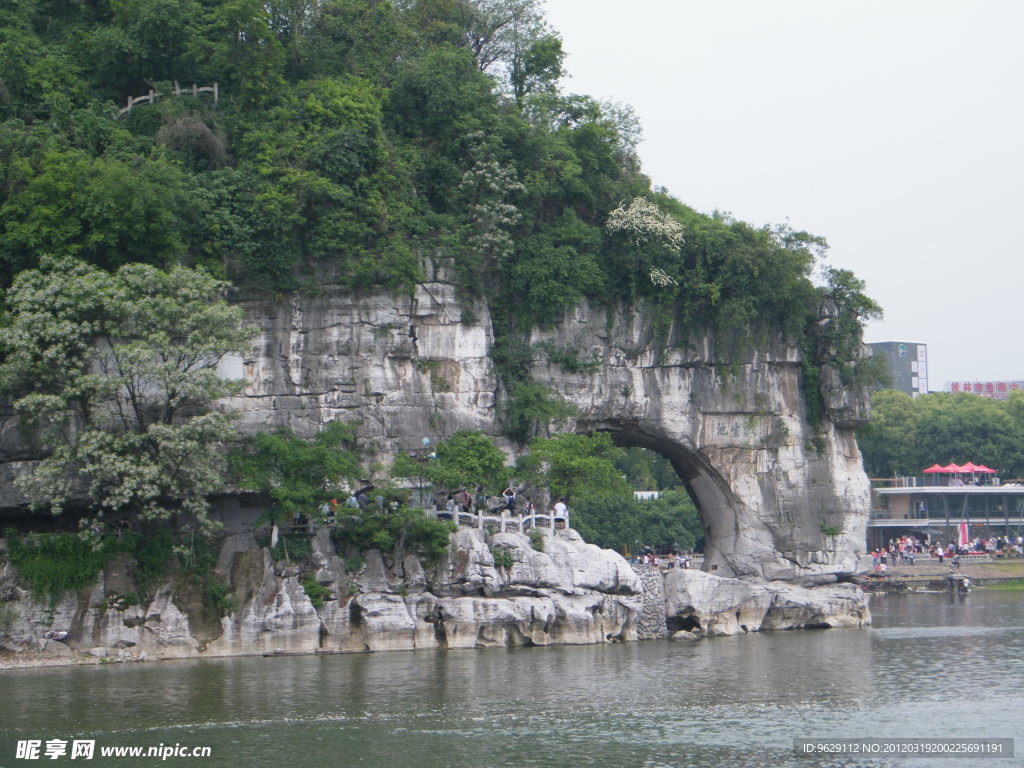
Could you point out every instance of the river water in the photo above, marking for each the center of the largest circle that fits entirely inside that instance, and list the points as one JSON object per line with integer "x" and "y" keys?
{"x": 932, "y": 666}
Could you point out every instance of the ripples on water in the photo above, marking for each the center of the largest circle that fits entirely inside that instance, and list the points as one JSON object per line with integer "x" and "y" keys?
{"x": 933, "y": 666}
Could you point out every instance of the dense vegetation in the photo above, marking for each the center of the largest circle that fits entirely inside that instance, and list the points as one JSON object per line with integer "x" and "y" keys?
{"x": 594, "y": 476}
{"x": 297, "y": 475}
{"x": 53, "y": 564}
{"x": 906, "y": 434}
{"x": 350, "y": 137}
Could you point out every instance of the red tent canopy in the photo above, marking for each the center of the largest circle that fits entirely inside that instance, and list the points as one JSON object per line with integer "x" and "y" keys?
{"x": 969, "y": 467}
{"x": 984, "y": 469}
{"x": 952, "y": 468}
{"x": 934, "y": 468}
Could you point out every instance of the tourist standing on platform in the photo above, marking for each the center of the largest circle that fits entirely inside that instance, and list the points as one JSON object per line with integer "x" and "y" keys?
{"x": 509, "y": 494}
{"x": 562, "y": 511}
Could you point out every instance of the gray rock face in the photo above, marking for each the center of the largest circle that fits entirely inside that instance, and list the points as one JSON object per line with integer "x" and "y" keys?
{"x": 571, "y": 593}
{"x": 735, "y": 428}
{"x": 700, "y": 601}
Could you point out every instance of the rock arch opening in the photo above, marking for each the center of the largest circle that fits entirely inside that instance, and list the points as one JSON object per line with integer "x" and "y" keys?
{"x": 714, "y": 499}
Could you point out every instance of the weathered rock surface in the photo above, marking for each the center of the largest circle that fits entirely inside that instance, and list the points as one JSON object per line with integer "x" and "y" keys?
{"x": 651, "y": 622}
{"x": 700, "y": 601}
{"x": 683, "y": 634}
{"x": 571, "y": 593}
{"x": 414, "y": 365}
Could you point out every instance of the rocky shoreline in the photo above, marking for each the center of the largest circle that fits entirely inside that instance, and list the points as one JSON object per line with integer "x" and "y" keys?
{"x": 487, "y": 590}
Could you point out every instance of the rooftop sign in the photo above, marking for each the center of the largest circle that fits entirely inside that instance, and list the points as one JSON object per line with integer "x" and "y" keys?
{"x": 997, "y": 390}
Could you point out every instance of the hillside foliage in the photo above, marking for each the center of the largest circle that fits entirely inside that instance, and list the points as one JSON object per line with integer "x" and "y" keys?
{"x": 113, "y": 377}
{"x": 349, "y": 138}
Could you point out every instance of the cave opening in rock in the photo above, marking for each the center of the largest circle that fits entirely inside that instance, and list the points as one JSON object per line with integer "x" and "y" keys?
{"x": 663, "y": 515}
{"x": 685, "y": 480}
{"x": 669, "y": 515}
{"x": 715, "y": 501}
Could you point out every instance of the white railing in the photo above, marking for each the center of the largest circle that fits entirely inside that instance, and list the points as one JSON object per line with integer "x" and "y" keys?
{"x": 502, "y": 521}
{"x": 177, "y": 90}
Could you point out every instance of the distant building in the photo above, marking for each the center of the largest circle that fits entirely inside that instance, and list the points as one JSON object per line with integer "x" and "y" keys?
{"x": 997, "y": 390}
{"x": 646, "y": 495}
{"x": 907, "y": 362}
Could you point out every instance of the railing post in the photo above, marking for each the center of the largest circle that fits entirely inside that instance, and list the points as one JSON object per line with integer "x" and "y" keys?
{"x": 504, "y": 519}
{"x": 480, "y": 521}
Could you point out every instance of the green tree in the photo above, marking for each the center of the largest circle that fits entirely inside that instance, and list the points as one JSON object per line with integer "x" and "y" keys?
{"x": 612, "y": 522}
{"x": 531, "y": 406}
{"x": 235, "y": 43}
{"x": 105, "y": 210}
{"x": 465, "y": 460}
{"x": 906, "y": 435}
{"x": 297, "y": 474}
{"x": 622, "y": 522}
{"x": 670, "y": 521}
{"x": 365, "y": 38}
{"x": 646, "y": 470}
{"x": 116, "y": 375}
{"x": 575, "y": 465}
{"x": 841, "y": 336}
{"x": 468, "y": 459}
{"x": 652, "y": 237}
{"x": 511, "y": 41}
{"x": 889, "y": 440}
{"x": 964, "y": 428}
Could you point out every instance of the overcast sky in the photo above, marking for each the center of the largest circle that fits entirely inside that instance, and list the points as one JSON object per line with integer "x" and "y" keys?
{"x": 893, "y": 128}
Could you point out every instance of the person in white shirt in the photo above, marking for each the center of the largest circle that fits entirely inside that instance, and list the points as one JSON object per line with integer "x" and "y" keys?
{"x": 562, "y": 511}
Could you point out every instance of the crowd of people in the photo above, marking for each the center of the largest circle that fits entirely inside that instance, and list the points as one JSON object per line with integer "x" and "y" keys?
{"x": 674, "y": 559}
{"x": 462, "y": 501}
{"x": 903, "y": 550}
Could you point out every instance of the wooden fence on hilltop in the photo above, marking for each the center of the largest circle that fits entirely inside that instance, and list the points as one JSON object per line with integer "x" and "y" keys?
{"x": 152, "y": 96}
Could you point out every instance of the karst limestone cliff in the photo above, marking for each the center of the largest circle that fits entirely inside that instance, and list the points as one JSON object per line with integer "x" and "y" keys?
{"x": 780, "y": 499}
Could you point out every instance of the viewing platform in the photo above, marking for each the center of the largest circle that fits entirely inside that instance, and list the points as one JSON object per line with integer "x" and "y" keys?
{"x": 935, "y": 507}
{"x": 502, "y": 521}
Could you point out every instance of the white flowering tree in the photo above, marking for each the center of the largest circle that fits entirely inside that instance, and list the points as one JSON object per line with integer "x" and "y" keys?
{"x": 642, "y": 222}
{"x": 487, "y": 190}
{"x": 649, "y": 234}
{"x": 114, "y": 375}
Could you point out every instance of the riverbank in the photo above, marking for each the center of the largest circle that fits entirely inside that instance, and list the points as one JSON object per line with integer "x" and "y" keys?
{"x": 487, "y": 590}
{"x": 46, "y": 659}
{"x": 931, "y": 576}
